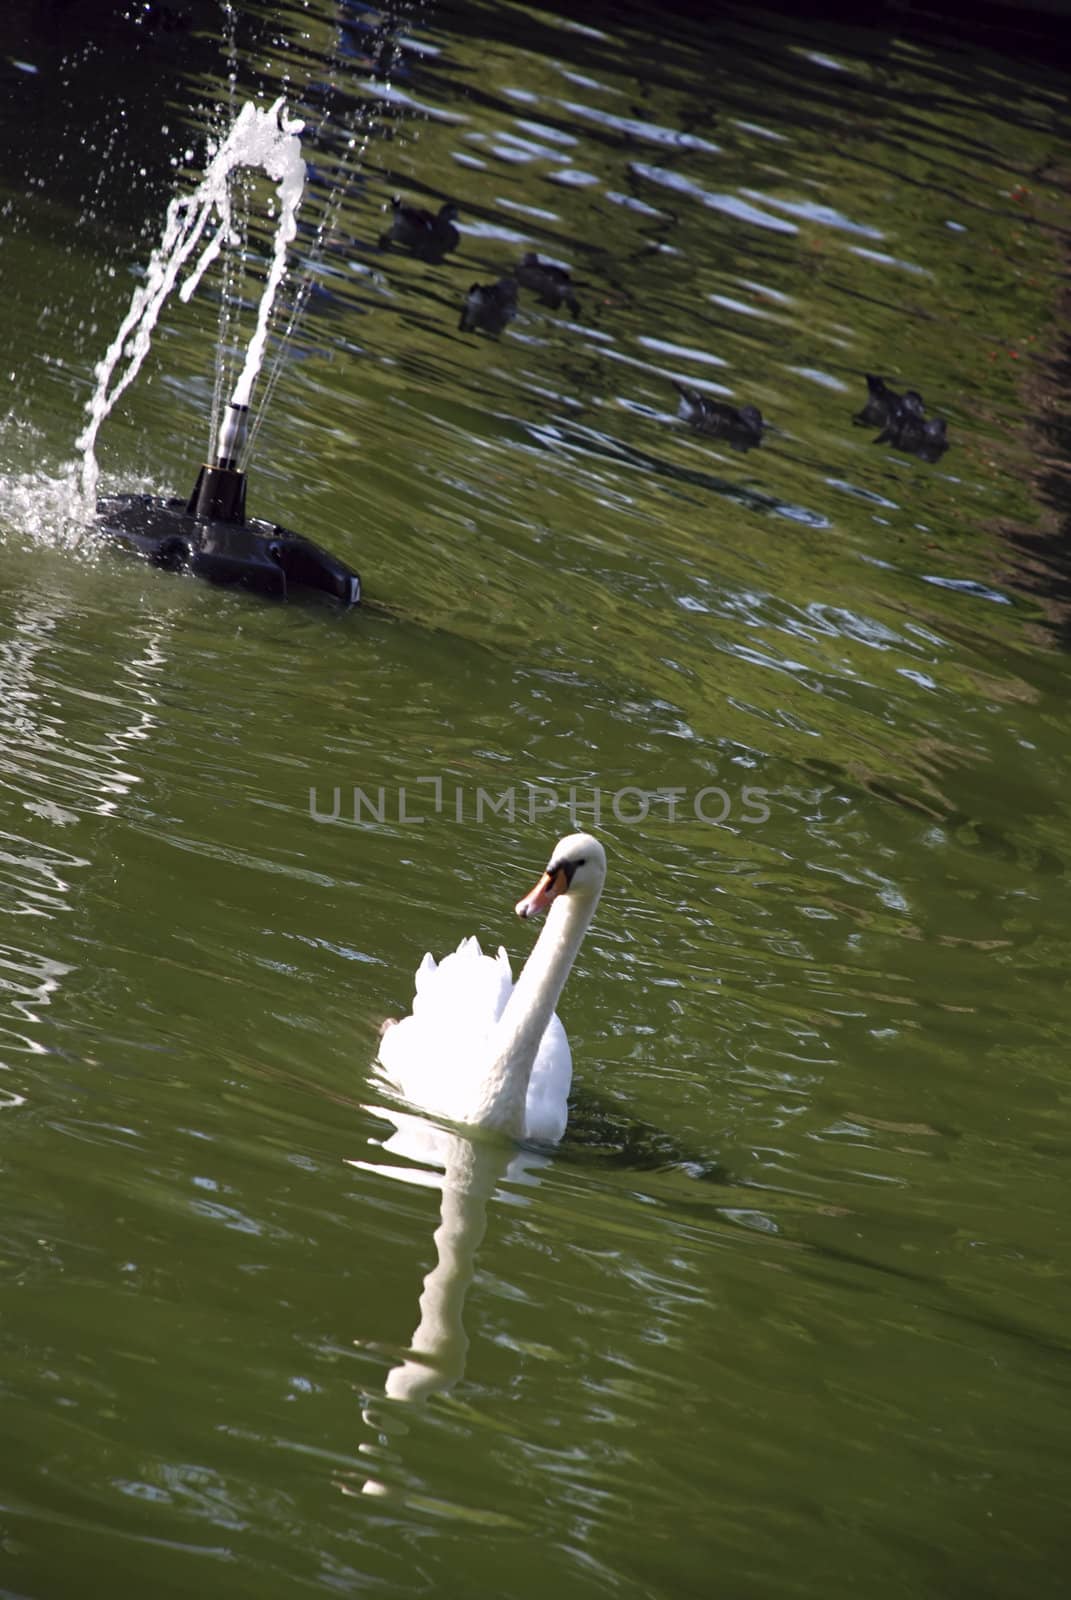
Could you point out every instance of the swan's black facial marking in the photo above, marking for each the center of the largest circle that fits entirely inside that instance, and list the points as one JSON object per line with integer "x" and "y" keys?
{"x": 568, "y": 867}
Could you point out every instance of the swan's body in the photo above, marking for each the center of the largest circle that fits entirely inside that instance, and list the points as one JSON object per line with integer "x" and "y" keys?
{"x": 481, "y": 1050}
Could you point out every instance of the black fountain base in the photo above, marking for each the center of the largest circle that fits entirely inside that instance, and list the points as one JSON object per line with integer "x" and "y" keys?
{"x": 248, "y": 553}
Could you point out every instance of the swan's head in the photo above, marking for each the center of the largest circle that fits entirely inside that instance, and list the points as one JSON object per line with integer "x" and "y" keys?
{"x": 577, "y": 868}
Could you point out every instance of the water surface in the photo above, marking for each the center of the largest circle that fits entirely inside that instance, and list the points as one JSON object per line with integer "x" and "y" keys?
{"x": 787, "y": 1312}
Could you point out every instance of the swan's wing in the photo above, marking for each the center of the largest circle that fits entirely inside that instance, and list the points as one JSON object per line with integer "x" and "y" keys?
{"x": 546, "y": 1110}
{"x": 465, "y": 984}
{"x": 429, "y": 1055}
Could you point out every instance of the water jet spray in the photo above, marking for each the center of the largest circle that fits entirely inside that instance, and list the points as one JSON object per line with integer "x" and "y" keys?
{"x": 209, "y": 534}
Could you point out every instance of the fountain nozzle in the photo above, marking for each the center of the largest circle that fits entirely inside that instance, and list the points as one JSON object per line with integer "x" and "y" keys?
{"x": 232, "y": 432}
{"x": 219, "y": 493}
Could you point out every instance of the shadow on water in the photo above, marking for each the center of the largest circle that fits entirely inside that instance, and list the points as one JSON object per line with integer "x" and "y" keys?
{"x": 599, "y": 1135}
{"x": 1041, "y": 564}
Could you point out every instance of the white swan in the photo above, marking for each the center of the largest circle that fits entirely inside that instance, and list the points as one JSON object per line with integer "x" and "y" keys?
{"x": 482, "y": 1050}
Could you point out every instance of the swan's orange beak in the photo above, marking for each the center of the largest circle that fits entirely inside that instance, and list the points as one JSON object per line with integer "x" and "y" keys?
{"x": 550, "y": 885}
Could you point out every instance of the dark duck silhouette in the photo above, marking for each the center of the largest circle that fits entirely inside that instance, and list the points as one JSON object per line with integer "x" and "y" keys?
{"x": 908, "y": 428}
{"x": 427, "y": 234}
{"x": 489, "y": 306}
{"x": 881, "y": 403}
{"x": 740, "y": 426}
{"x": 552, "y": 284}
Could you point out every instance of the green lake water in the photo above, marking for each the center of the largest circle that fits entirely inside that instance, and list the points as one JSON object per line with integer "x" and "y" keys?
{"x": 787, "y": 1312}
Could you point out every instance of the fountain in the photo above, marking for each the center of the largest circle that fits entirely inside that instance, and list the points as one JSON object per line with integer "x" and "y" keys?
{"x": 209, "y": 534}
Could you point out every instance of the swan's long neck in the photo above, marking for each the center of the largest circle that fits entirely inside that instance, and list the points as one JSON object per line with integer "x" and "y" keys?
{"x": 515, "y": 1041}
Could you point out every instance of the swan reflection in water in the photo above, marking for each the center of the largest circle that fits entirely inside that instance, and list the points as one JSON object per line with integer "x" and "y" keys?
{"x": 466, "y": 1168}
{"x": 492, "y": 1057}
